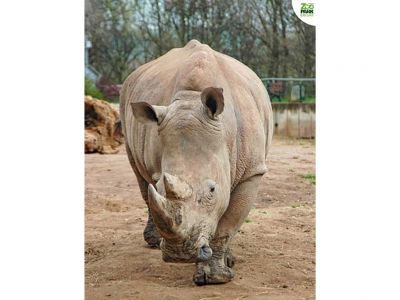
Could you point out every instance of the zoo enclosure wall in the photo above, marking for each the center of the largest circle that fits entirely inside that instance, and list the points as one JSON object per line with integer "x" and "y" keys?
{"x": 294, "y": 119}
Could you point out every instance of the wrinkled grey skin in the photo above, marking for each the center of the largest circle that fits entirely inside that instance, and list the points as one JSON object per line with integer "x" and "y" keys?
{"x": 197, "y": 125}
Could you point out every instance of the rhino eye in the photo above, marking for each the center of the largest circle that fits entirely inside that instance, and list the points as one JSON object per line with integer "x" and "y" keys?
{"x": 211, "y": 185}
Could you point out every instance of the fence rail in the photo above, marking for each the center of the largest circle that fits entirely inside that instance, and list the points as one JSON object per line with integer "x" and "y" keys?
{"x": 290, "y": 89}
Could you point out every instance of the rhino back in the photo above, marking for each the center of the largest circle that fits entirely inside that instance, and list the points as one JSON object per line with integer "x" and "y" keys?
{"x": 253, "y": 114}
{"x": 247, "y": 115}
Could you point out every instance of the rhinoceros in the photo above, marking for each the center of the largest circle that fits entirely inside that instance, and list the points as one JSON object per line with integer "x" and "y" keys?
{"x": 197, "y": 127}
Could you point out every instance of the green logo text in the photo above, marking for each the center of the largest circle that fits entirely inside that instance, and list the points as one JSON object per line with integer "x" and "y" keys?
{"x": 307, "y": 9}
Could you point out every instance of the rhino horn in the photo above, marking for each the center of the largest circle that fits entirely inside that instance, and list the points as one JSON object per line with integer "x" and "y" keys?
{"x": 160, "y": 210}
{"x": 176, "y": 188}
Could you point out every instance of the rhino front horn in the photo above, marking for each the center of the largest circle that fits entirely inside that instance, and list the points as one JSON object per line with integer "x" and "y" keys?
{"x": 176, "y": 188}
{"x": 160, "y": 211}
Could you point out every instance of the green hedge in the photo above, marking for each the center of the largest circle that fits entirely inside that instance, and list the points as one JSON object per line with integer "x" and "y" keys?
{"x": 92, "y": 90}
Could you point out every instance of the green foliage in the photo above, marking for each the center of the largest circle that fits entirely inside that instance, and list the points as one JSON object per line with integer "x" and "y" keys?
{"x": 247, "y": 220}
{"x": 296, "y": 205}
{"x": 287, "y": 99}
{"x": 309, "y": 100}
{"x": 308, "y": 176}
{"x": 311, "y": 177}
{"x": 92, "y": 90}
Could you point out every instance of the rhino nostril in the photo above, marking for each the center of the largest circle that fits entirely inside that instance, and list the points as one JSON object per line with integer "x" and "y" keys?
{"x": 205, "y": 253}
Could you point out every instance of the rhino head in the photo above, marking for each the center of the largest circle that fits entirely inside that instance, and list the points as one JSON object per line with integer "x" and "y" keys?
{"x": 192, "y": 191}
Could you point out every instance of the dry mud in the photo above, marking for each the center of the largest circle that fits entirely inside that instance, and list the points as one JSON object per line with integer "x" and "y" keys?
{"x": 274, "y": 249}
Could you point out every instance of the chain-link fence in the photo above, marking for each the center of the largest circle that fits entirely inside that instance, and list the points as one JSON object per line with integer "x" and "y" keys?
{"x": 290, "y": 89}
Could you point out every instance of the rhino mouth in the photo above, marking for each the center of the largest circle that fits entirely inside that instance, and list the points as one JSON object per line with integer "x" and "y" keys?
{"x": 178, "y": 253}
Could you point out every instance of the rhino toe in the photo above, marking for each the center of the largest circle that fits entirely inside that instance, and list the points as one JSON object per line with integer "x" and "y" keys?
{"x": 229, "y": 258}
{"x": 200, "y": 277}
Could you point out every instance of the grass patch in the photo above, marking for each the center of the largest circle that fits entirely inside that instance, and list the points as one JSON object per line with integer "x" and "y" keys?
{"x": 307, "y": 176}
{"x": 311, "y": 177}
{"x": 146, "y": 211}
{"x": 247, "y": 220}
{"x": 296, "y": 205}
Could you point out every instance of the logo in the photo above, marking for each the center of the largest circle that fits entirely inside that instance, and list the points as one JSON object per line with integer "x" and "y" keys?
{"x": 307, "y": 10}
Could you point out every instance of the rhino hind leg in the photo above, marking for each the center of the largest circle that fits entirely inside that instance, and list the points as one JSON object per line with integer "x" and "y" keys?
{"x": 150, "y": 233}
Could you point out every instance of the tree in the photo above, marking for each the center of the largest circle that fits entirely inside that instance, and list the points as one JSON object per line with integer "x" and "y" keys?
{"x": 266, "y": 35}
{"x": 108, "y": 24}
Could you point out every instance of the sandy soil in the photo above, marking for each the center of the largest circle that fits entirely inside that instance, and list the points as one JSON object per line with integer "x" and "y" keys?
{"x": 275, "y": 250}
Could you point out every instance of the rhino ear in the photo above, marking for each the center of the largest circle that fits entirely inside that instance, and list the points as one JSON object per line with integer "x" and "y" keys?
{"x": 213, "y": 100}
{"x": 148, "y": 114}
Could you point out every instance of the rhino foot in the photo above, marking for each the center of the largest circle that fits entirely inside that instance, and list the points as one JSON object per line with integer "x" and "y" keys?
{"x": 151, "y": 235}
{"x": 212, "y": 272}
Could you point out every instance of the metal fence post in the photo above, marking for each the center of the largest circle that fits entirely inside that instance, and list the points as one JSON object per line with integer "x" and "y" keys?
{"x": 300, "y": 98}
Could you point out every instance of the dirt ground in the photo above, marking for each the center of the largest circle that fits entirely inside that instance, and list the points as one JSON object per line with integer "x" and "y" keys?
{"x": 274, "y": 249}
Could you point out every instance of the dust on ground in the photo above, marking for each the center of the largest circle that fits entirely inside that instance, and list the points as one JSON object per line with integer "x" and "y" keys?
{"x": 274, "y": 249}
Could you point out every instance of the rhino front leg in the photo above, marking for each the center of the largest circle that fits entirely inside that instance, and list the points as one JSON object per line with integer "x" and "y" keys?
{"x": 218, "y": 268}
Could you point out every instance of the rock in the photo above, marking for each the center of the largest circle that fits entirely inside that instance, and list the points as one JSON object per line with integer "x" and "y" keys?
{"x": 101, "y": 135}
